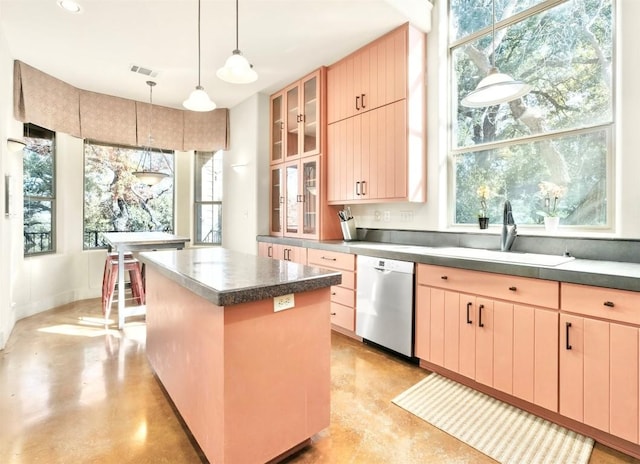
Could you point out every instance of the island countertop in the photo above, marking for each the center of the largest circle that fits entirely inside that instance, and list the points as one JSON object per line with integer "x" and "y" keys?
{"x": 226, "y": 277}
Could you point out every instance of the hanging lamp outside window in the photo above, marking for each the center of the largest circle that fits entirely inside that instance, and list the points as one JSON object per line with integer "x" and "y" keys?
{"x": 237, "y": 69}
{"x": 145, "y": 172}
{"x": 496, "y": 87}
{"x": 198, "y": 99}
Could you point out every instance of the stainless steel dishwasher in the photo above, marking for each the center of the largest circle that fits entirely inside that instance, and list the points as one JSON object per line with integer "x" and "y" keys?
{"x": 384, "y": 303}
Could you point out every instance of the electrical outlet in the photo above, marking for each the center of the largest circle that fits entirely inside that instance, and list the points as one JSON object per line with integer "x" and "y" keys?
{"x": 283, "y": 302}
{"x": 377, "y": 215}
{"x": 386, "y": 216}
{"x": 406, "y": 216}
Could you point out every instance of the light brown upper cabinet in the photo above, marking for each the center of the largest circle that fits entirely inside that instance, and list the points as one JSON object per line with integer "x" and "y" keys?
{"x": 376, "y": 136}
{"x": 277, "y": 128}
{"x": 302, "y": 117}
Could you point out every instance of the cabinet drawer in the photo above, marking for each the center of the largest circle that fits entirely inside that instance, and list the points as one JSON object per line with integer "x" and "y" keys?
{"x": 607, "y": 303}
{"x": 344, "y": 296}
{"x": 331, "y": 259}
{"x": 348, "y": 280}
{"x": 525, "y": 290}
{"x": 343, "y": 316}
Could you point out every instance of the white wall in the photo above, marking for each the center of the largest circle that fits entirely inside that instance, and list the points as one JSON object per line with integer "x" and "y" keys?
{"x": 245, "y": 175}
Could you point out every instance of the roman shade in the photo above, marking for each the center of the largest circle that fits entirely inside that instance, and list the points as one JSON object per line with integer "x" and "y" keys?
{"x": 51, "y": 103}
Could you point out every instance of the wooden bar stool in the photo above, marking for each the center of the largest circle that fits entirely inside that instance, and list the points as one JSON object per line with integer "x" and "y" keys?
{"x": 110, "y": 277}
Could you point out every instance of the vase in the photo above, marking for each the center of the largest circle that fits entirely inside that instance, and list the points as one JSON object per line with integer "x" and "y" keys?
{"x": 483, "y": 222}
{"x": 551, "y": 223}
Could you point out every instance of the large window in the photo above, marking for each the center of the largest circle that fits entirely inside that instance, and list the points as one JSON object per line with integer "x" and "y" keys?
{"x": 39, "y": 189}
{"x": 115, "y": 200}
{"x": 208, "y": 198}
{"x": 550, "y": 152}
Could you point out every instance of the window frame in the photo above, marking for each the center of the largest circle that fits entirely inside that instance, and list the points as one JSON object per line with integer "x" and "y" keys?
{"x": 608, "y": 127}
{"x": 28, "y": 128}
{"x": 198, "y": 203}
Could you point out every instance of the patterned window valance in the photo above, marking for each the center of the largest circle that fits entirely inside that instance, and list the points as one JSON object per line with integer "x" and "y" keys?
{"x": 51, "y": 103}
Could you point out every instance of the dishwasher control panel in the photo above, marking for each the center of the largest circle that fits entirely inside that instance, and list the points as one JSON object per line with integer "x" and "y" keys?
{"x": 384, "y": 264}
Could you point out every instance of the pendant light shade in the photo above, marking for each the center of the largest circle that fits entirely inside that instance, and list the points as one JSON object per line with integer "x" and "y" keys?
{"x": 496, "y": 87}
{"x": 144, "y": 172}
{"x": 15, "y": 145}
{"x": 237, "y": 69}
{"x": 198, "y": 99}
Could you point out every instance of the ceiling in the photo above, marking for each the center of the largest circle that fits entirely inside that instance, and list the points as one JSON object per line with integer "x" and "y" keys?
{"x": 283, "y": 39}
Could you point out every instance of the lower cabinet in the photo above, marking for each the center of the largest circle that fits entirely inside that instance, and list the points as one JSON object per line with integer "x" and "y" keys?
{"x": 599, "y": 361}
{"x": 508, "y": 346}
{"x": 343, "y": 296}
{"x": 283, "y": 252}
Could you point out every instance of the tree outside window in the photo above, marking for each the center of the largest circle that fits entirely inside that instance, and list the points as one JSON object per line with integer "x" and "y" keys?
{"x": 560, "y": 133}
{"x": 114, "y": 198}
{"x": 39, "y": 191}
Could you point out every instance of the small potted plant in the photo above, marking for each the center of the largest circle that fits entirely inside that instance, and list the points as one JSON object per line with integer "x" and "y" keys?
{"x": 551, "y": 194}
{"x": 483, "y": 219}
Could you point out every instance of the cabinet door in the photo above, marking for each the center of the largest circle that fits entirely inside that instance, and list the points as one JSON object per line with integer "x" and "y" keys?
{"x": 523, "y": 352}
{"x": 451, "y": 330}
{"x": 596, "y": 374}
{"x": 337, "y": 182}
{"x": 484, "y": 342}
{"x": 436, "y": 347}
{"x": 292, "y": 121}
{"x": 277, "y": 128}
{"x": 545, "y": 385}
{"x": 265, "y": 249}
{"x": 468, "y": 321}
{"x": 503, "y": 346}
{"x": 276, "y": 200}
{"x": 624, "y": 382}
{"x": 292, "y": 198}
{"x": 571, "y": 366}
{"x": 310, "y": 117}
{"x": 310, "y": 196}
{"x": 423, "y": 323}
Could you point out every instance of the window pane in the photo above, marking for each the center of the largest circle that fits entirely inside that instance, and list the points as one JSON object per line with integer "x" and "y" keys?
{"x": 38, "y": 229}
{"x": 469, "y": 16}
{"x": 209, "y": 176}
{"x": 116, "y": 200}
{"x": 38, "y": 167}
{"x": 523, "y": 173}
{"x": 209, "y": 223}
{"x": 565, "y": 53}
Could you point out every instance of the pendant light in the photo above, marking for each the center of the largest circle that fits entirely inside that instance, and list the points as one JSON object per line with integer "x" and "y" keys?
{"x": 198, "y": 99}
{"x": 237, "y": 69}
{"x": 15, "y": 145}
{"x": 144, "y": 172}
{"x": 496, "y": 87}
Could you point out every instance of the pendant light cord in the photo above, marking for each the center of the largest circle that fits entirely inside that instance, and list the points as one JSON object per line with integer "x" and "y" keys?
{"x": 199, "y": 43}
{"x": 493, "y": 33}
{"x": 237, "y": 48}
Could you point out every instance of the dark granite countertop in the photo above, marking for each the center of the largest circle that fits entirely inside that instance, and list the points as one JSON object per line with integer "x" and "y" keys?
{"x": 601, "y": 273}
{"x": 227, "y": 277}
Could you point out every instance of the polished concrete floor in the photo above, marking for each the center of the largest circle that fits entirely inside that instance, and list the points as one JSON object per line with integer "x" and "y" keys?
{"x": 73, "y": 392}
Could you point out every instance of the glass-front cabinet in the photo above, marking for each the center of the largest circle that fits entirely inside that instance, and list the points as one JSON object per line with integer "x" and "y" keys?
{"x": 276, "y": 218}
{"x": 302, "y": 200}
{"x": 277, "y": 128}
{"x": 310, "y": 195}
{"x": 302, "y": 117}
{"x": 292, "y": 216}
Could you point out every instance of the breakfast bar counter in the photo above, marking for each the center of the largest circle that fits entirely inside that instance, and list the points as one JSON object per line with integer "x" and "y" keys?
{"x": 241, "y": 344}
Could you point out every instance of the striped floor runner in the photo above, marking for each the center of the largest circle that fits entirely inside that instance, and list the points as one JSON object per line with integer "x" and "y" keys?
{"x": 499, "y": 430}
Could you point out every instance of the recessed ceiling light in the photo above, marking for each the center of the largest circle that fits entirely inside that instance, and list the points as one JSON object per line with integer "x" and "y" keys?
{"x": 70, "y": 6}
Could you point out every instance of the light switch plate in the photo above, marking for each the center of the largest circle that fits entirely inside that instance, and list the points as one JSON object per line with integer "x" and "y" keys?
{"x": 283, "y": 302}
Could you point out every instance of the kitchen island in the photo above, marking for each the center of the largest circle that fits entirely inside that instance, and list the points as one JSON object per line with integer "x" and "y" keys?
{"x": 241, "y": 345}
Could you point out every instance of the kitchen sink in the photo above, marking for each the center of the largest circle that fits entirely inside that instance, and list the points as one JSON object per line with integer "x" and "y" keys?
{"x": 501, "y": 256}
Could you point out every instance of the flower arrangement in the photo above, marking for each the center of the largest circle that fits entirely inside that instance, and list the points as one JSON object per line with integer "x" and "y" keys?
{"x": 551, "y": 194}
{"x": 483, "y": 193}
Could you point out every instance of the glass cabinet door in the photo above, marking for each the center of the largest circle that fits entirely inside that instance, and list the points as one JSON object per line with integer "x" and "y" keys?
{"x": 293, "y": 120}
{"x": 310, "y": 196}
{"x": 311, "y": 115}
{"x": 292, "y": 199}
{"x": 277, "y": 201}
{"x": 277, "y": 128}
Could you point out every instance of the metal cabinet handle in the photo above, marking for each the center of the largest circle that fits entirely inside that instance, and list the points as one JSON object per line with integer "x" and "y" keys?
{"x": 513, "y": 289}
{"x": 328, "y": 259}
{"x": 302, "y": 118}
{"x": 609, "y": 304}
{"x": 282, "y": 126}
{"x": 286, "y": 255}
{"x": 362, "y": 101}
{"x": 364, "y": 185}
{"x": 469, "y": 321}
{"x": 444, "y": 277}
{"x": 358, "y": 188}
{"x": 333, "y": 293}
{"x": 358, "y": 102}
{"x": 270, "y": 251}
{"x": 333, "y": 314}
{"x": 281, "y": 200}
{"x": 568, "y": 345}
{"x": 480, "y": 324}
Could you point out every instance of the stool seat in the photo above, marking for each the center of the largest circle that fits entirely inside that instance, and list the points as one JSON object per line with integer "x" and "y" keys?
{"x": 110, "y": 278}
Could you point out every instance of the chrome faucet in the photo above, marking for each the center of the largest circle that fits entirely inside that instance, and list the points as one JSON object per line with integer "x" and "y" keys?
{"x": 509, "y": 229}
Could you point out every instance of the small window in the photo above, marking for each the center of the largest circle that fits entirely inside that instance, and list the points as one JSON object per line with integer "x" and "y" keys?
{"x": 39, "y": 189}
{"x": 208, "y": 198}
{"x": 115, "y": 200}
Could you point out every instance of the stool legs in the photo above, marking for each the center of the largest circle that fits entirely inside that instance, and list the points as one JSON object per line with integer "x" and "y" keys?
{"x": 110, "y": 277}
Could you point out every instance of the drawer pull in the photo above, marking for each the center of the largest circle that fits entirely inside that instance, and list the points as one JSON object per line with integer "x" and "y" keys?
{"x": 270, "y": 251}
{"x": 444, "y": 277}
{"x": 333, "y": 293}
{"x": 609, "y": 304}
{"x": 469, "y": 321}
{"x": 480, "y": 324}
{"x": 513, "y": 289}
{"x": 568, "y": 345}
{"x": 329, "y": 259}
{"x": 333, "y": 314}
